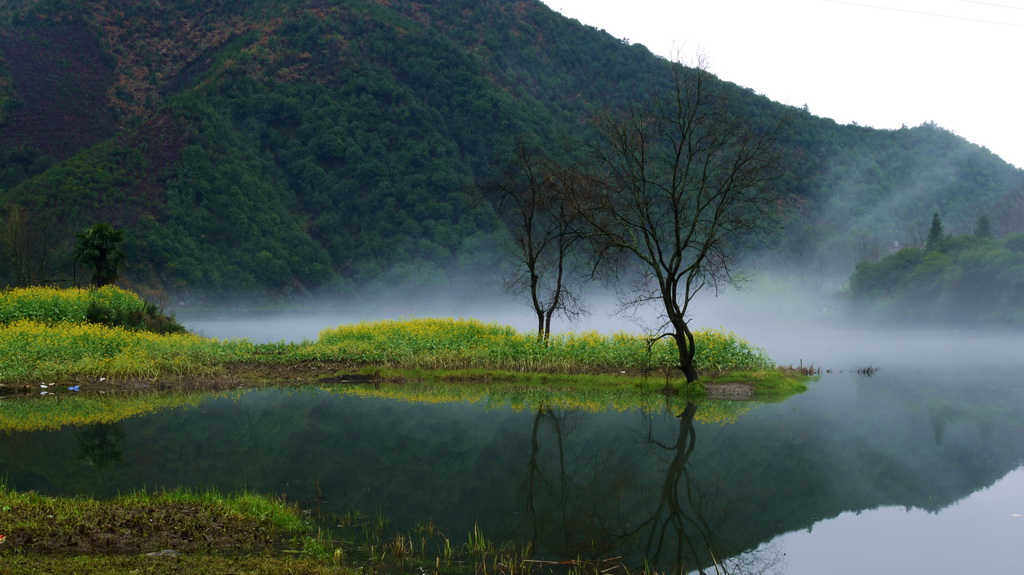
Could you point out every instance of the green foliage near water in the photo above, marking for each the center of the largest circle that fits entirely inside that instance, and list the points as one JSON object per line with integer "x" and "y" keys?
{"x": 55, "y": 305}
{"x": 450, "y": 343}
{"x": 32, "y": 352}
{"x": 960, "y": 281}
{"x": 47, "y": 336}
{"x": 209, "y": 533}
{"x": 275, "y": 515}
{"x": 108, "y": 305}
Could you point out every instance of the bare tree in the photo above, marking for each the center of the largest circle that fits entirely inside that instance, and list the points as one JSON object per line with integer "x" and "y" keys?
{"x": 532, "y": 195}
{"x": 684, "y": 180}
{"x": 31, "y": 244}
{"x": 1008, "y": 215}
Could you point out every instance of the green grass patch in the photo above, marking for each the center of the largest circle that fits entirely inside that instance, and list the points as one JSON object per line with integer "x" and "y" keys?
{"x": 31, "y": 349}
{"x": 52, "y": 335}
{"x": 140, "y": 522}
{"x": 108, "y": 305}
{"x": 779, "y": 382}
{"x": 162, "y": 532}
{"x": 35, "y": 351}
{"x": 62, "y": 564}
{"x": 447, "y": 344}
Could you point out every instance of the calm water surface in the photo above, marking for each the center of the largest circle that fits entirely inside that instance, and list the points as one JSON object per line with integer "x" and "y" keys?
{"x": 917, "y": 469}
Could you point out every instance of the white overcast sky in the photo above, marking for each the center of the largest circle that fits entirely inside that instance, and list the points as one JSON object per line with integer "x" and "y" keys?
{"x": 879, "y": 63}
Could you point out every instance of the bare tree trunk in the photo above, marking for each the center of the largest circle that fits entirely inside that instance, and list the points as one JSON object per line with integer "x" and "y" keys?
{"x": 684, "y": 341}
{"x": 531, "y": 197}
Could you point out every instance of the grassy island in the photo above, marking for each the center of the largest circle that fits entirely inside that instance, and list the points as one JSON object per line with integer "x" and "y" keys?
{"x": 101, "y": 355}
{"x": 109, "y": 337}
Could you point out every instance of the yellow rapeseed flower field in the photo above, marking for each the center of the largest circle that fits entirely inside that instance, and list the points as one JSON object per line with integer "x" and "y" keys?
{"x": 459, "y": 343}
{"x": 31, "y": 350}
{"x": 44, "y": 333}
{"x": 45, "y": 336}
{"x": 54, "y": 305}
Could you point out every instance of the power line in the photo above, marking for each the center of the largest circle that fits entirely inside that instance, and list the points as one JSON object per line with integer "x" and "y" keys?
{"x": 992, "y": 4}
{"x": 922, "y": 13}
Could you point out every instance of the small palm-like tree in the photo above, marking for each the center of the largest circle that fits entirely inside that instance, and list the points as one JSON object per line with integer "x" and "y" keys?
{"x": 99, "y": 247}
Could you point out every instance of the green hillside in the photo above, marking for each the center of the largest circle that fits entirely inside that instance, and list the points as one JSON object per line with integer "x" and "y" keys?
{"x": 958, "y": 281}
{"x": 332, "y": 146}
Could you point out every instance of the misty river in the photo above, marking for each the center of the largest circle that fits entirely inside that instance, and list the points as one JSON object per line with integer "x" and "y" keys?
{"x": 915, "y": 469}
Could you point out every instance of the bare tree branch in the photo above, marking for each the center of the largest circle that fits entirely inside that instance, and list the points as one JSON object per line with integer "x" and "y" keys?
{"x": 681, "y": 182}
{"x": 531, "y": 195}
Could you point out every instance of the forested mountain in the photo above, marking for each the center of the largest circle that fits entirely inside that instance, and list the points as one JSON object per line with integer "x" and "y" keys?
{"x": 297, "y": 146}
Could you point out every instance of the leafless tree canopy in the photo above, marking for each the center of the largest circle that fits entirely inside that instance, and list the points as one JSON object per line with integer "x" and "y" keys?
{"x": 683, "y": 181}
{"x": 31, "y": 244}
{"x": 532, "y": 193}
{"x": 1008, "y": 216}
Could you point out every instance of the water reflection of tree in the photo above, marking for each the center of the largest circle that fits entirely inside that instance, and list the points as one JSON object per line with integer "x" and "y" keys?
{"x": 560, "y": 506}
{"x": 99, "y": 443}
{"x": 686, "y": 528}
{"x": 603, "y": 507}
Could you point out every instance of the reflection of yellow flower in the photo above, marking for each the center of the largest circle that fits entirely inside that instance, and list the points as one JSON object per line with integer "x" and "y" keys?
{"x": 77, "y": 409}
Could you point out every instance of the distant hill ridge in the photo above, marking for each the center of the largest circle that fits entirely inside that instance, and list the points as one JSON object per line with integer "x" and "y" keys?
{"x": 295, "y": 146}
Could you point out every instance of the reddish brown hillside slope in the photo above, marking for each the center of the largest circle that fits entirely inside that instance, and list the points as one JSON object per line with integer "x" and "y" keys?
{"x": 61, "y": 80}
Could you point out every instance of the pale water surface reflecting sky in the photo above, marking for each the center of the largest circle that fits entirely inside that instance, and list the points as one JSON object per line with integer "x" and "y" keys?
{"x": 982, "y": 533}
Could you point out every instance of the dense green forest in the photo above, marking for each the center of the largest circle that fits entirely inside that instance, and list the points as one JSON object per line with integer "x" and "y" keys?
{"x": 291, "y": 147}
{"x": 953, "y": 280}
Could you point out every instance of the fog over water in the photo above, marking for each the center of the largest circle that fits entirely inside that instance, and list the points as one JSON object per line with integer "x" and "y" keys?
{"x": 795, "y": 328}
{"x": 916, "y": 469}
{"x": 936, "y": 418}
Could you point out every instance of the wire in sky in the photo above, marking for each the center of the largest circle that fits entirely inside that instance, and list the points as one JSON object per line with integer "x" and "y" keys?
{"x": 919, "y": 12}
{"x": 992, "y": 4}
